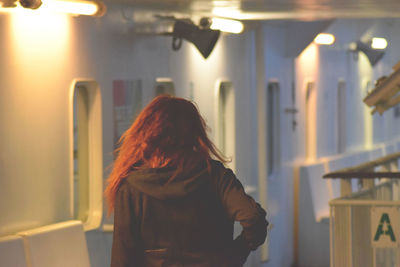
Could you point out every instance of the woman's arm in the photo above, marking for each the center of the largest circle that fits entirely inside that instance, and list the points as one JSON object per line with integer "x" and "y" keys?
{"x": 242, "y": 208}
{"x": 127, "y": 248}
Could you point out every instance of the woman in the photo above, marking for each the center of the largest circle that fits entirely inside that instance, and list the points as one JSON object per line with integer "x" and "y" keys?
{"x": 173, "y": 204}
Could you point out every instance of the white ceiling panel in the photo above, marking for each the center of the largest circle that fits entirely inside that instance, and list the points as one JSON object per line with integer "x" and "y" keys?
{"x": 274, "y": 9}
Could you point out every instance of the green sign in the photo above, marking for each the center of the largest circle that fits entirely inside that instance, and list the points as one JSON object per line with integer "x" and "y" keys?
{"x": 385, "y": 221}
{"x": 385, "y": 224}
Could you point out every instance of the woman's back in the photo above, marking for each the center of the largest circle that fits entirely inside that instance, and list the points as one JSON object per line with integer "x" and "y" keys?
{"x": 184, "y": 222}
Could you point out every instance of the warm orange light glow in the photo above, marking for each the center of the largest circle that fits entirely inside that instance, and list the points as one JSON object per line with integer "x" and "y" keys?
{"x": 5, "y": 10}
{"x": 324, "y": 39}
{"x": 40, "y": 41}
{"x": 39, "y": 27}
{"x": 307, "y": 64}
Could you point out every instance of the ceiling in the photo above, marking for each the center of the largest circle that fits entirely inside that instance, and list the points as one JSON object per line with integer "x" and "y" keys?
{"x": 273, "y": 9}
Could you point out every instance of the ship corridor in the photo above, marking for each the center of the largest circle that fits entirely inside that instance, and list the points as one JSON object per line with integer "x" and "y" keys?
{"x": 287, "y": 109}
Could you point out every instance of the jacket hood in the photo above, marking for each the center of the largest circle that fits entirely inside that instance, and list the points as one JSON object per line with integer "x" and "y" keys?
{"x": 155, "y": 182}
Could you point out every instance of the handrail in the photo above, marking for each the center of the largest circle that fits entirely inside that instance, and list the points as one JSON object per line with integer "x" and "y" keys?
{"x": 365, "y": 173}
{"x": 372, "y": 163}
{"x": 365, "y": 192}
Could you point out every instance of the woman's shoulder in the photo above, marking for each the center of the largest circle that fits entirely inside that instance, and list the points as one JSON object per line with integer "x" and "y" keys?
{"x": 220, "y": 171}
{"x": 217, "y": 165}
{"x": 123, "y": 186}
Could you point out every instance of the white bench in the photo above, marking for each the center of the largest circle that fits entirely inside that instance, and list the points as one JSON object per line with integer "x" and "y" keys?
{"x": 57, "y": 245}
{"x": 12, "y": 253}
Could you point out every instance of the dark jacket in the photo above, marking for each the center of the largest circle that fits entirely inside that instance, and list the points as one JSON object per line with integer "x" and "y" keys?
{"x": 185, "y": 222}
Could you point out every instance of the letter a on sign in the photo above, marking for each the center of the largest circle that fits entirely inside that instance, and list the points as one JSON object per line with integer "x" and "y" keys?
{"x": 385, "y": 227}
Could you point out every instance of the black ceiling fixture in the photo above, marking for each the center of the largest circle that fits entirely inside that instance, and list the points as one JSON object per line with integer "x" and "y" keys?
{"x": 201, "y": 36}
{"x": 373, "y": 55}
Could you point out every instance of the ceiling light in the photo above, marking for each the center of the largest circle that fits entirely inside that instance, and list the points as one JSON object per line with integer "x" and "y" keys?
{"x": 324, "y": 39}
{"x": 378, "y": 43}
{"x": 90, "y": 8}
{"x": 226, "y": 12}
{"x": 227, "y": 25}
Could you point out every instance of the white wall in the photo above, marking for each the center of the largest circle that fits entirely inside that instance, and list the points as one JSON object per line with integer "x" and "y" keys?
{"x": 279, "y": 185}
{"x": 337, "y": 62}
{"x": 230, "y": 60}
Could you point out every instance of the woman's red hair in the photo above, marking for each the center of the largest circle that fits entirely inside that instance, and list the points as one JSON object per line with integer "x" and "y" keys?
{"x": 169, "y": 132}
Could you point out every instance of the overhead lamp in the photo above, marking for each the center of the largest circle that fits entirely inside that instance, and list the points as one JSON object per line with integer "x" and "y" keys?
{"x": 373, "y": 55}
{"x": 378, "y": 43}
{"x": 226, "y": 25}
{"x": 89, "y": 8}
{"x": 324, "y": 39}
{"x": 202, "y": 37}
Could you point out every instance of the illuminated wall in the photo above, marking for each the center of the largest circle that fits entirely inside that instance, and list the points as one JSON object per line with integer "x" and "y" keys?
{"x": 307, "y": 83}
{"x": 41, "y": 55}
{"x": 34, "y": 135}
{"x": 338, "y": 63}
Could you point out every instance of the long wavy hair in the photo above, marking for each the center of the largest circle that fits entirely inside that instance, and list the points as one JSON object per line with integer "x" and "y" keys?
{"x": 168, "y": 132}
